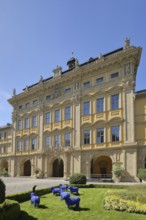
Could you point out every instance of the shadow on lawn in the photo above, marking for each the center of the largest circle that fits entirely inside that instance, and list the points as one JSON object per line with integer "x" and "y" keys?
{"x": 24, "y": 216}
{"x": 78, "y": 209}
{"x": 43, "y": 207}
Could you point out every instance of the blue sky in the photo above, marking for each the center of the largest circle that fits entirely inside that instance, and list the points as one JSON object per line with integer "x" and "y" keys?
{"x": 38, "y": 35}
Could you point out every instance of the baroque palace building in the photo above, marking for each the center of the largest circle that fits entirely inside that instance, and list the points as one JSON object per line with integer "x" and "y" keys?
{"x": 82, "y": 120}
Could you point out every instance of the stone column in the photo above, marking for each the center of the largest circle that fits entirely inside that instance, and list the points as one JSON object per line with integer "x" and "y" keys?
{"x": 40, "y": 131}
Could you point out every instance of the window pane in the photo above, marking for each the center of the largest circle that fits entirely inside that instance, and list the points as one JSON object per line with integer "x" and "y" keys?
{"x": 19, "y": 125}
{"x": 34, "y": 121}
{"x": 100, "y": 135}
{"x": 57, "y": 115}
{"x": 99, "y": 80}
{"x": 86, "y": 84}
{"x": 47, "y": 141}
{"x": 114, "y": 75}
{"x": 57, "y": 141}
{"x": 67, "y": 113}
{"x": 114, "y": 102}
{"x": 68, "y": 90}
{"x": 18, "y": 145}
{"x": 47, "y": 118}
{"x": 115, "y": 133}
{"x": 100, "y": 105}
{"x": 26, "y": 123}
{"x": 86, "y": 108}
{"x": 67, "y": 139}
{"x": 86, "y": 137}
{"x": 25, "y": 145}
{"x": 33, "y": 143}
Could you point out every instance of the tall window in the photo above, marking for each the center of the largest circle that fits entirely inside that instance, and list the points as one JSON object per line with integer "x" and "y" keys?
{"x": 19, "y": 125}
{"x": 47, "y": 141}
{"x": 18, "y": 145}
{"x": 115, "y": 133}
{"x": 57, "y": 141}
{"x": 34, "y": 121}
{"x": 27, "y": 105}
{"x": 25, "y": 144}
{"x": 86, "y": 137}
{"x": 57, "y": 115}
{"x": 0, "y": 135}
{"x": 100, "y": 135}
{"x": 114, "y": 102}
{"x": 86, "y": 108}
{"x": 100, "y": 105}
{"x": 5, "y": 149}
{"x": 26, "y": 123}
{"x": 33, "y": 143}
{"x": 67, "y": 139}
{"x": 67, "y": 113}
{"x": 5, "y": 135}
{"x": 47, "y": 118}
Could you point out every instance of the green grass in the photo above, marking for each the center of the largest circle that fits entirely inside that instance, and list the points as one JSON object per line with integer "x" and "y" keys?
{"x": 91, "y": 208}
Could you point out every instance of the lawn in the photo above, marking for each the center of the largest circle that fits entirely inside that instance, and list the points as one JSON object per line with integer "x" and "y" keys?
{"x": 91, "y": 208}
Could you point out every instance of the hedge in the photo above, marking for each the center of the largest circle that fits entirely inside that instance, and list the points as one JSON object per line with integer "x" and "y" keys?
{"x": 9, "y": 210}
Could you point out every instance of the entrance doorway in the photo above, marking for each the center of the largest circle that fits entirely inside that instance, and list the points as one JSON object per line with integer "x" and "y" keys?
{"x": 58, "y": 168}
{"x": 27, "y": 168}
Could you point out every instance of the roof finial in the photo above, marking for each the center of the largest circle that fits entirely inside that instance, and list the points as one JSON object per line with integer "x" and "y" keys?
{"x": 72, "y": 52}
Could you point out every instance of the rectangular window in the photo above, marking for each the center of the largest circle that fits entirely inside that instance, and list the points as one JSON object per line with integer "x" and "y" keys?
{"x": 20, "y": 107}
{"x": 47, "y": 118}
{"x": 19, "y": 125}
{"x": 114, "y": 75}
{"x": 26, "y": 123}
{"x": 25, "y": 144}
{"x": 68, "y": 90}
{"x": 0, "y": 135}
{"x": 100, "y": 105}
{"x": 18, "y": 145}
{"x": 27, "y": 105}
{"x": 5, "y": 149}
{"x": 114, "y": 102}
{"x": 115, "y": 133}
{"x": 100, "y": 135}
{"x": 47, "y": 141}
{"x": 57, "y": 115}
{"x": 99, "y": 80}
{"x": 34, "y": 121}
{"x": 57, "y": 141}
{"x": 86, "y": 84}
{"x": 86, "y": 108}
{"x": 86, "y": 137}
{"x": 67, "y": 139}
{"x": 5, "y": 135}
{"x": 67, "y": 113}
{"x": 33, "y": 143}
{"x": 35, "y": 102}
{"x": 48, "y": 97}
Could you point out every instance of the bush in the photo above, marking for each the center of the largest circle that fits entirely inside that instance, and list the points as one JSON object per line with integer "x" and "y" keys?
{"x": 142, "y": 174}
{"x": 117, "y": 170}
{"x": 2, "y": 191}
{"x": 4, "y": 172}
{"x": 77, "y": 178}
{"x": 9, "y": 210}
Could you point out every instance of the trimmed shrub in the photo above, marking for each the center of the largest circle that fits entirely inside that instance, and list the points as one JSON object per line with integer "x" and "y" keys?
{"x": 142, "y": 174}
{"x": 77, "y": 178}
{"x": 2, "y": 191}
{"x": 9, "y": 210}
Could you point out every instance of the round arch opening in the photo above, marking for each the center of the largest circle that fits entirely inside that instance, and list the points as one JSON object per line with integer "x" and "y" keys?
{"x": 58, "y": 168}
{"x": 27, "y": 168}
{"x": 101, "y": 167}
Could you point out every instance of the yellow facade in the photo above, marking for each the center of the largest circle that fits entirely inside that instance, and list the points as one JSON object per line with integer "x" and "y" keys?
{"x": 80, "y": 120}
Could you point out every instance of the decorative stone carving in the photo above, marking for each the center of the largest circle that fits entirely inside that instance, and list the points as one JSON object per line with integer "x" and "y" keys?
{"x": 57, "y": 92}
{"x": 126, "y": 43}
{"x": 41, "y": 79}
{"x": 57, "y": 71}
{"x": 127, "y": 68}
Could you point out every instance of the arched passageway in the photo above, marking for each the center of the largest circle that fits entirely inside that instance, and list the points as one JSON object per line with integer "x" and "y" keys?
{"x": 58, "y": 168}
{"x": 27, "y": 168}
{"x": 101, "y": 167}
{"x": 4, "y": 165}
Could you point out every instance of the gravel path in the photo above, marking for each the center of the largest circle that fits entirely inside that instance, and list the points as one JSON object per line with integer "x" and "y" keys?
{"x": 16, "y": 185}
